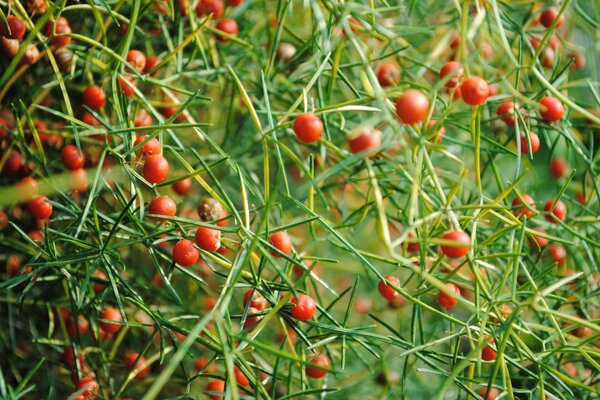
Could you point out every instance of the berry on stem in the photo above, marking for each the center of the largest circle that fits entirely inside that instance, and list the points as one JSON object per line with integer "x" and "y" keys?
{"x": 110, "y": 314}
{"x": 388, "y": 292}
{"x": 474, "y": 91}
{"x": 445, "y": 300}
{"x": 308, "y": 128}
{"x": 320, "y": 368}
{"x": 412, "y": 106}
{"x": 208, "y": 239}
{"x": 94, "y": 97}
{"x": 452, "y": 71}
{"x": 304, "y": 307}
{"x": 556, "y": 210}
{"x": 71, "y": 157}
{"x": 459, "y": 246}
{"x": 156, "y": 169}
{"x": 184, "y": 253}
{"x": 551, "y": 109}
{"x": 282, "y": 242}
{"x": 519, "y": 208}
{"x": 163, "y": 205}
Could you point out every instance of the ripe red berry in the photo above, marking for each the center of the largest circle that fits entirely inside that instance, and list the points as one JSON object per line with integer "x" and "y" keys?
{"x": 282, "y": 242}
{"x": 487, "y": 353}
{"x": 39, "y": 208}
{"x": 536, "y": 241}
{"x": 548, "y": 16}
{"x": 137, "y": 59}
{"x": 143, "y": 119}
{"x": 130, "y": 361}
{"x": 364, "y": 139}
{"x": 184, "y": 253}
{"x": 453, "y": 71}
{"x": 519, "y": 208}
{"x": 551, "y": 109}
{"x": 59, "y": 27}
{"x": 445, "y": 300}
{"x": 308, "y": 128}
{"x": 110, "y": 314}
{"x": 321, "y": 368}
{"x": 183, "y": 186}
{"x": 71, "y": 157}
{"x": 558, "y": 167}
{"x": 13, "y": 163}
{"x": 215, "y": 388}
{"x": 214, "y": 7}
{"x": 492, "y": 395}
{"x": 228, "y": 26}
{"x": 507, "y": 112}
{"x": 559, "y": 211}
{"x": 304, "y": 307}
{"x": 90, "y": 386}
{"x": 388, "y": 292}
{"x": 151, "y": 62}
{"x": 412, "y": 106}
{"x": 17, "y": 28}
{"x": 240, "y": 378}
{"x": 125, "y": 83}
{"x": 257, "y": 300}
{"x": 151, "y": 147}
{"x": 475, "y": 91}
{"x": 94, "y": 97}
{"x": 558, "y": 253}
{"x": 388, "y": 74}
{"x": 412, "y": 247}
{"x": 534, "y": 139}
{"x": 459, "y": 246}
{"x": 98, "y": 287}
{"x": 156, "y": 168}
{"x": 208, "y": 239}
{"x": 163, "y": 205}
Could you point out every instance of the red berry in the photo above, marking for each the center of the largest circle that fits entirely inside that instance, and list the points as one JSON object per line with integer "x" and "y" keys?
{"x": 208, "y": 239}
{"x": 17, "y": 28}
{"x": 321, "y": 368}
{"x": 98, "y": 287}
{"x": 201, "y": 363}
{"x": 163, "y": 205}
{"x": 184, "y": 253}
{"x": 215, "y": 388}
{"x": 282, "y": 242}
{"x": 411, "y": 246}
{"x": 445, "y": 300}
{"x": 68, "y": 357}
{"x": 81, "y": 327}
{"x": 580, "y": 197}
{"x": 559, "y": 211}
{"x": 388, "y": 74}
{"x": 304, "y": 307}
{"x": 240, "y": 378}
{"x": 234, "y": 3}
{"x": 143, "y": 119}
{"x": 533, "y": 139}
{"x": 91, "y": 388}
{"x": 151, "y": 147}
{"x": 388, "y": 292}
{"x": 228, "y": 26}
{"x": 558, "y": 167}
{"x": 110, "y": 314}
{"x": 182, "y": 186}
{"x": 252, "y": 318}
{"x": 71, "y": 157}
{"x": 507, "y": 112}
{"x": 60, "y": 27}
{"x": 79, "y": 180}
{"x": 412, "y": 106}
{"x": 27, "y": 188}
{"x": 551, "y": 109}
{"x": 558, "y": 253}
{"x": 13, "y": 163}
{"x": 151, "y": 62}
{"x": 126, "y": 82}
{"x": 94, "y": 97}
{"x": 519, "y": 208}
{"x": 461, "y": 242}
{"x": 487, "y": 353}
{"x": 308, "y": 128}
{"x": 548, "y": 16}
{"x": 137, "y": 59}
{"x": 536, "y": 241}
{"x": 364, "y": 139}
{"x": 214, "y": 7}
{"x": 475, "y": 91}
{"x": 130, "y": 361}
{"x": 39, "y": 208}
{"x": 257, "y": 300}
{"x": 454, "y": 71}
{"x": 3, "y": 220}
{"x": 492, "y": 395}
{"x": 156, "y": 169}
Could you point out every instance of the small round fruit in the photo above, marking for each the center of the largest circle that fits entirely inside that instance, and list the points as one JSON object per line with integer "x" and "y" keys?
{"x": 519, "y": 208}
{"x": 110, "y": 314}
{"x": 388, "y": 292}
{"x": 156, "y": 169}
{"x": 257, "y": 300}
{"x": 534, "y": 139}
{"x": 240, "y": 378}
{"x": 364, "y": 139}
{"x": 454, "y": 71}
{"x": 548, "y": 16}
{"x": 536, "y": 241}
{"x": 90, "y": 388}
{"x": 304, "y": 307}
{"x": 308, "y": 128}
{"x": 492, "y": 395}
{"x": 321, "y": 367}
{"x": 559, "y": 211}
{"x": 210, "y": 210}
{"x": 412, "y": 245}
{"x": 71, "y": 157}
{"x": 388, "y": 74}
{"x": 507, "y": 112}
{"x": 13, "y": 163}
{"x": 558, "y": 166}
{"x": 475, "y": 91}
{"x": 183, "y": 186}
{"x": 163, "y": 205}
{"x": 215, "y": 388}
{"x": 151, "y": 147}
{"x": 461, "y": 242}
{"x": 228, "y": 26}
{"x": 551, "y": 109}
{"x": 558, "y": 253}
{"x": 282, "y": 242}
{"x": 214, "y": 7}
{"x": 39, "y": 208}
{"x": 130, "y": 361}
{"x": 126, "y": 83}
{"x": 17, "y": 28}
{"x": 59, "y": 27}
{"x": 445, "y": 300}
{"x": 94, "y": 97}
{"x": 487, "y": 353}
{"x": 184, "y": 253}
{"x": 252, "y": 318}
{"x": 137, "y": 59}
{"x": 412, "y": 106}
{"x": 208, "y": 239}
